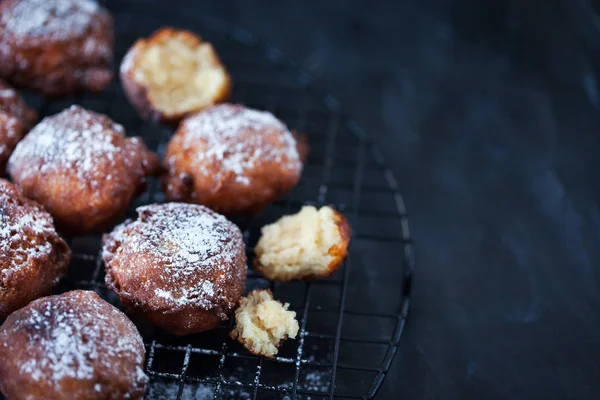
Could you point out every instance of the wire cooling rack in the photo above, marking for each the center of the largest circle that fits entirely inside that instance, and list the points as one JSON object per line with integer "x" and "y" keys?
{"x": 350, "y": 323}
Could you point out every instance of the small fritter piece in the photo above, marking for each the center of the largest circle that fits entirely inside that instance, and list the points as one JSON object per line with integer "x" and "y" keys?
{"x": 263, "y": 324}
{"x": 82, "y": 168}
{"x": 33, "y": 257}
{"x": 74, "y": 346}
{"x": 181, "y": 266}
{"x": 310, "y": 244}
{"x": 16, "y": 118}
{"x": 232, "y": 159}
{"x": 56, "y": 46}
{"x": 173, "y": 73}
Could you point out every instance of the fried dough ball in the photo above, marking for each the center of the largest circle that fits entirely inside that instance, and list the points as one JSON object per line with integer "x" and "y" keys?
{"x": 56, "y": 46}
{"x": 82, "y": 168}
{"x": 263, "y": 324}
{"x": 310, "y": 244}
{"x": 73, "y": 346}
{"x": 173, "y": 73}
{"x": 33, "y": 257}
{"x": 232, "y": 159}
{"x": 181, "y": 266}
{"x": 16, "y": 118}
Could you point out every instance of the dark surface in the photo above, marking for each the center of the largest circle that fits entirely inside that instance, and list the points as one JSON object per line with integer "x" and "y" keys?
{"x": 488, "y": 114}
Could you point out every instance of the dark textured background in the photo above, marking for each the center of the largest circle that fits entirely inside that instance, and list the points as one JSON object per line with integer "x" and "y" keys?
{"x": 488, "y": 112}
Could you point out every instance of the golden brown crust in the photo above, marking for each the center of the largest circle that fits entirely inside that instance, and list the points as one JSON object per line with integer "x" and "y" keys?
{"x": 16, "y": 118}
{"x": 303, "y": 146}
{"x": 82, "y": 168}
{"x": 33, "y": 257}
{"x": 180, "y": 266}
{"x": 137, "y": 91}
{"x": 56, "y": 46}
{"x": 232, "y": 159}
{"x": 11, "y": 131}
{"x": 72, "y": 346}
{"x": 12, "y": 104}
{"x": 340, "y": 250}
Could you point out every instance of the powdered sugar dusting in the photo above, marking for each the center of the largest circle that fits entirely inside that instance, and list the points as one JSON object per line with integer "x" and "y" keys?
{"x": 11, "y": 127}
{"x": 15, "y": 119}
{"x": 317, "y": 380}
{"x": 127, "y": 62}
{"x": 188, "y": 243}
{"x": 203, "y": 290}
{"x": 78, "y": 335}
{"x": 6, "y": 93}
{"x": 237, "y": 139}
{"x": 13, "y": 110}
{"x": 17, "y": 224}
{"x": 75, "y": 140}
{"x": 58, "y": 19}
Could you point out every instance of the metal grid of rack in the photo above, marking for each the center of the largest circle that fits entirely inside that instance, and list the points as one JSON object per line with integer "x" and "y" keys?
{"x": 350, "y": 323}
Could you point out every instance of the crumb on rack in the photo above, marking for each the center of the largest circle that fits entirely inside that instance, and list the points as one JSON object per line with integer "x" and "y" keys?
{"x": 263, "y": 324}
